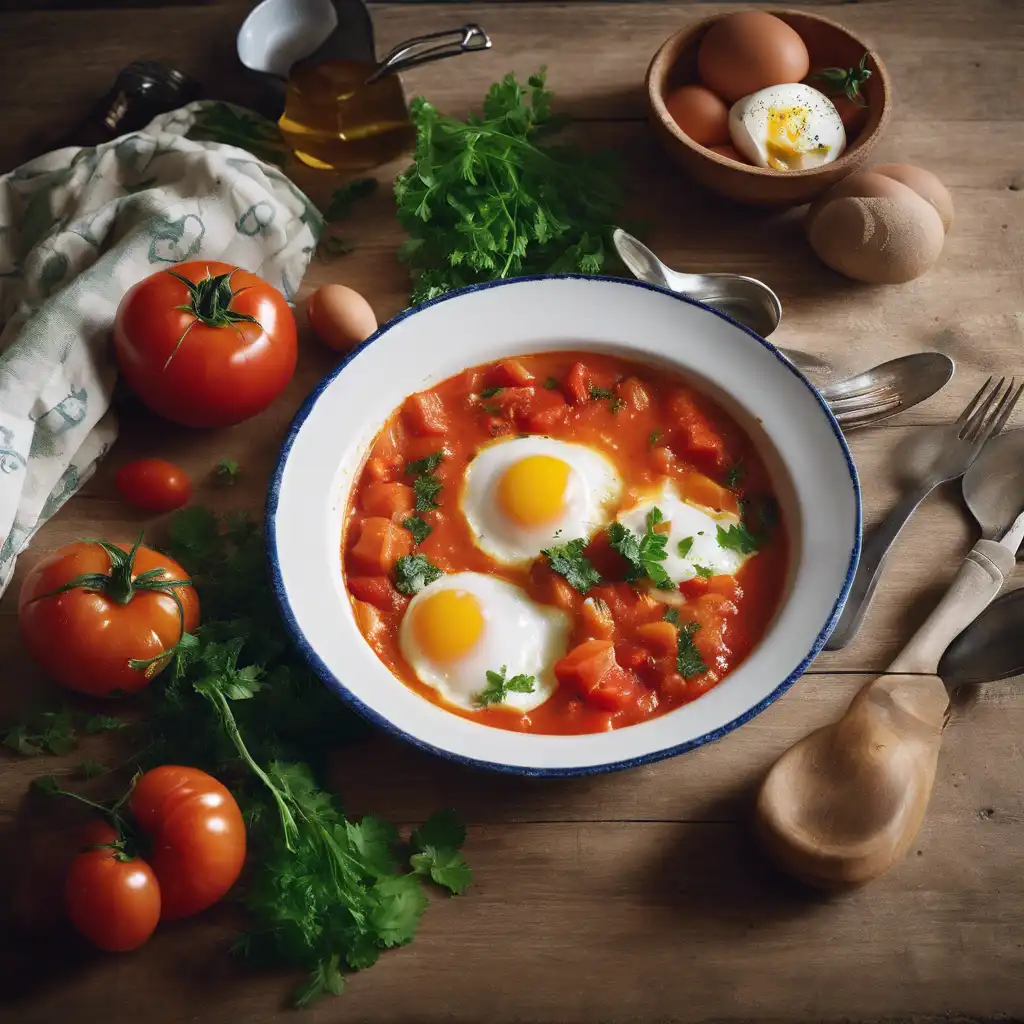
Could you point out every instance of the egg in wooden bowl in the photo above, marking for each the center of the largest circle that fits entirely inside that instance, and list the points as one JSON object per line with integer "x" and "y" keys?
{"x": 755, "y": 107}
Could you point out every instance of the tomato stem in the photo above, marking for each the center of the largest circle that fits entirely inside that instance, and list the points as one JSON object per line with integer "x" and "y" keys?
{"x": 209, "y": 301}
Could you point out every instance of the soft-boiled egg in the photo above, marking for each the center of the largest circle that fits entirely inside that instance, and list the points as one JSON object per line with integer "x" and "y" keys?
{"x": 519, "y": 495}
{"x": 463, "y": 626}
{"x": 787, "y": 127}
{"x": 694, "y": 546}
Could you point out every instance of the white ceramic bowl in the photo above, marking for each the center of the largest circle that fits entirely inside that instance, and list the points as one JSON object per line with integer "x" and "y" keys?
{"x": 791, "y": 425}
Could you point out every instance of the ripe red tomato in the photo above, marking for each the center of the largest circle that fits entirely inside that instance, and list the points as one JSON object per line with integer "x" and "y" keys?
{"x": 114, "y": 901}
{"x": 86, "y": 636}
{"x": 222, "y": 358}
{"x": 197, "y": 836}
{"x": 154, "y": 484}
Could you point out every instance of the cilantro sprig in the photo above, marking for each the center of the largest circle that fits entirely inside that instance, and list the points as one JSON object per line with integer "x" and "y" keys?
{"x": 643, "y": 553}
{"x": 498, "y": 687}
{"x": 486, "y": 198}
{"x": 569, "y": 561}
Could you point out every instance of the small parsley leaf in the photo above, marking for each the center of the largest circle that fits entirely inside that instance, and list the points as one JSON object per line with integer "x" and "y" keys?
{"x": 498, "y": 687}
{"x": 491, "y": 392}
{"x": 683, "y": 547}
{"x": 425, "y": 465}
{"x": 426, "y": 486}
{"x": 688, "y": 659}
{"x": 737, "y": 538}
{"x": 551, "y": 383}
{"x": 569, "y": 561}
{"x": 419, "y": 528}
{"x": 652, "y": 439}
{"x": 672, "y": 615}
{"x": 436, "y": 853}
{"x": 597, "y": 393}
{"x": 616, "y": 404}
{"x": 644, "y": 554}
{"x": 703, "y": 572}
{"x": 226, "y": 472}
{"x": 734, "y": 475}
{"x": 414, "y": 572}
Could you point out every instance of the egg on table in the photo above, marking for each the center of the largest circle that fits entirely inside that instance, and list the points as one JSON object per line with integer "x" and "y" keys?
{"x": 465, "y": 625}
{"x": 694, "y": 546}
{"x": 519, "y": 495}
{"x": 787, "y": 127}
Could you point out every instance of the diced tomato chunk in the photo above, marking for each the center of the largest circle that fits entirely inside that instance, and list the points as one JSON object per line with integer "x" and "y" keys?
{"x": 424, "y": 414}
{"x": 381, "y": 543}
{"x": 692, "y": 589}
{"x": 726, "y": 586}
{"x": 702, "y": 490}
{"x": 631, "y": 655}
{"x": 378, "y": 469}
{"x": 664, "y": 460}
{"x": 390, "y": 500}
{"x": 591, "y": 667}
{"x": 388, "y": 446}
{"x": 695, "y": 432}
{"x": 369, "y": 619}
{"x": 577, "y": 384}
{"x": 658, "y": 637}
{"x": 547, "y": 410}
{"x": 509, "y": 374}
{"x": 634, "y": 394}
{"x": 417, "y": 448}
{"x": 376, "y": 590}
{"x": 597, "y": 619}
{"x": 513, "y": 403}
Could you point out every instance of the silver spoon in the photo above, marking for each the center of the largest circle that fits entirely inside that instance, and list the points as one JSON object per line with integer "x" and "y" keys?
{"x": 994, "y": 485}
{"x": 887, "y": 389}
{"x": 745, "y": 299}
{"x": 856, "y": 401}
{"x": 991, "y": 648}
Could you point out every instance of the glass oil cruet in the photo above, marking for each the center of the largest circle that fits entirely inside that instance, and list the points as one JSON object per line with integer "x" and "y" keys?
{"x": 352, "y": 115}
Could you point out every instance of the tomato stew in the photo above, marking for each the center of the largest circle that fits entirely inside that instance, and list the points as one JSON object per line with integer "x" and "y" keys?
{"x": 635, "y": 650}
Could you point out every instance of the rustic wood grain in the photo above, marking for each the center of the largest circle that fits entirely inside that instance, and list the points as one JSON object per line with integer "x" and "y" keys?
{"x": 636, "y": 896}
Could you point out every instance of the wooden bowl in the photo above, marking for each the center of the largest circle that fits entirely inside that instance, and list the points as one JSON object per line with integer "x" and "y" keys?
{"x": 829, "y": 45}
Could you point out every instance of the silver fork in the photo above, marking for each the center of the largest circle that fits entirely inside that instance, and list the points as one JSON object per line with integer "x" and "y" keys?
{"x": 945, "y": 452}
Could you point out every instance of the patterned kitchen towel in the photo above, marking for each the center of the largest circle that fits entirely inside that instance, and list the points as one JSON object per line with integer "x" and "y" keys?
{"x": 79, "y": 227}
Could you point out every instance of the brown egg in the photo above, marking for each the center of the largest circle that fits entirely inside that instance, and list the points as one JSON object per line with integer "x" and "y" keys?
{"x": 700, "y": 114}
{"x": 749, "y": 51}
{"x": 730, "y": 153}
{"x": 340, "y": 316}
{"x": 875, "y": 229}
{"x": 925, "y": 184}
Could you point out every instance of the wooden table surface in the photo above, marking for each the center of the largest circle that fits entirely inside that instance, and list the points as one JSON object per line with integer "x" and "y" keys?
{"x": 637, "y": 895}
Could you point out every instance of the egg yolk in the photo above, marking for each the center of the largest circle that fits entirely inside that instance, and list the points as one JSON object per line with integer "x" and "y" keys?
{"x": 787, "y": 128}
{"x": 448, "y": 624}
{"x": 531, "y": 491}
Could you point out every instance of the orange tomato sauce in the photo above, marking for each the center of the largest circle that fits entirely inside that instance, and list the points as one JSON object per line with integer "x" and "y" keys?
{"x": 650, "y": 425}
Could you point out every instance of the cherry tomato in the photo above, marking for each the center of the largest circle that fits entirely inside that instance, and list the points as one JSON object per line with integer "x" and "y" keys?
{"x": 85, "y": 637}
{"x": 154, "y": 484}
{"x": 197, "y": 836}
{"x": 222, "y": 358}
{"x": 113, "y": 900}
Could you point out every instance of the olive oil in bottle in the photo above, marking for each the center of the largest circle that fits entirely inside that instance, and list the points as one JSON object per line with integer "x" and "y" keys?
{"x": 334, "y": 119}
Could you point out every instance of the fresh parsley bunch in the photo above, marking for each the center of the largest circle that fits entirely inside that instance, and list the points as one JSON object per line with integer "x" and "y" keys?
{"x": 326, "y": 893}
{"x": 487, "y": 199}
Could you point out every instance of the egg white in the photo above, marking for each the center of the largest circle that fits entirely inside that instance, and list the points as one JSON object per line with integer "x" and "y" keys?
{"x": 821, "y": 138}
{"x": 685, "y": 521}
{"x": 593, "y": 487}
{"x": 518, "y": 633}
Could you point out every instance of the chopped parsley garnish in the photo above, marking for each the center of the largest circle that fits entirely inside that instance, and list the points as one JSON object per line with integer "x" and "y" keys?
{"x": 491, "y": 392}
{"x": 737, "y": 538}
{"x": 600, "y": 393}
{"x": 226, "y": 471}
{"x": 617, "y": 404}
{"x": 688, "y": 659}
{"x": 498, "y": 687}
{"x": 703, "y": 571}
{"x": 426, "y": 486}
{"x": 652, "y": 439}
{"x": 414, "y": 572}
{"x": 569, "y": 561}
{"x": 644, "y": 554}
{"x": 672, "y": 615}
{"x": 734, "y": 475}
{"x": 419, "y": 528}
{"x": 683, "y": 547}
{"x": 551, "y": 383}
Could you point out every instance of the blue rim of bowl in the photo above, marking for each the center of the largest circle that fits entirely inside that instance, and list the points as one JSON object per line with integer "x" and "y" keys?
{"x": 374, "y": 718}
